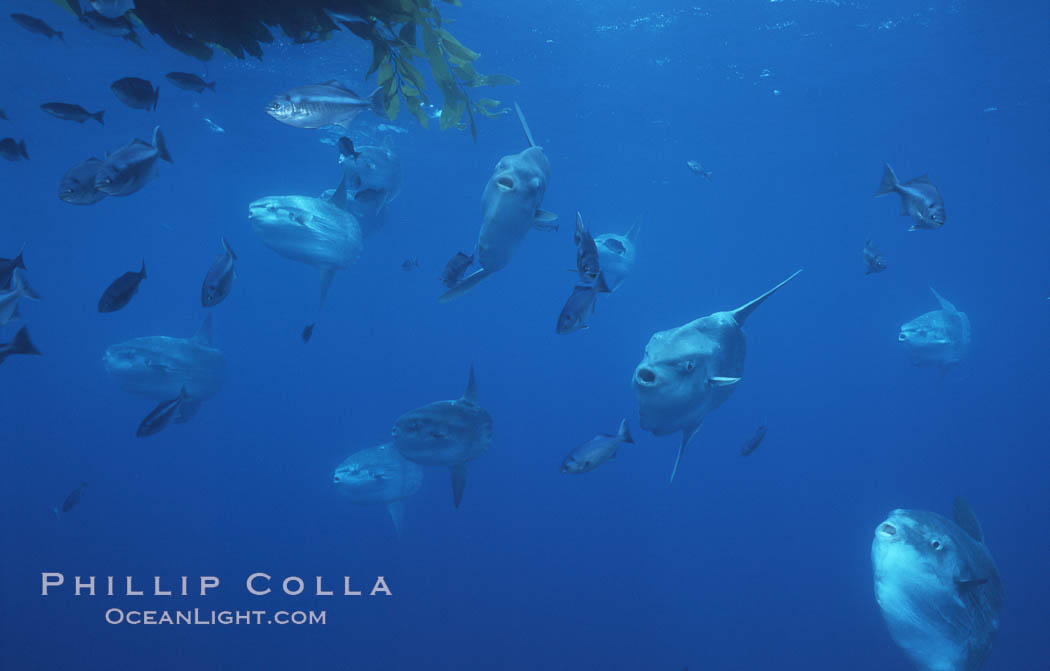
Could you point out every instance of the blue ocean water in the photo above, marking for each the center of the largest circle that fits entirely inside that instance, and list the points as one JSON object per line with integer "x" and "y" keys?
{"x": 742, "y": 563}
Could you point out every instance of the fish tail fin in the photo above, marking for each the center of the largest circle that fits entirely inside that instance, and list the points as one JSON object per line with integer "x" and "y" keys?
{"x": 97, "y": 116}
{"x": 17, "y": 261}
{"x": 143, "y": 271}
{"x": 156, "y": 97}
{"x": 625, "y": 433}
{"x": 59, "y": 34}
{"x": 20, "y": 283}
{"x": 22, "y": 149}
{"x": 465, "y": 285}
{"x": 889, "y": 182}
{"x": 229, "y": 250}
{"x": 377, "y": 101}
{"x": 22, "y": 344}
{"x": 210, "y": 86}
{"x": 162, "y": 147}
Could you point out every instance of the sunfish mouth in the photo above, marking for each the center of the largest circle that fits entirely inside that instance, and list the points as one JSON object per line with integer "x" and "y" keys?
{"x": 505, "y": 183}
{"x": 887, "y": 531}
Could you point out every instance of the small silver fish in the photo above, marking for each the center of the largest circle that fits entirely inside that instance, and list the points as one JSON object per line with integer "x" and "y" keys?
{"x": 78, "y": 184}
{"x": 160, "y": 416}
{"x": 318, "y": 105}
{"x": 920, "y": 199}
{"x": 219, "y": 280}
{"x": 122, "y": 290}
{"x": 698, "y": 168}
{"x": 754, "y": 441}
{"x": 596, "y": 451}
{"x": 127, "y": 169}
{"x": 587, "y": 264}
{"x": 873, "y": 258}
{"x": 578, "y": 309}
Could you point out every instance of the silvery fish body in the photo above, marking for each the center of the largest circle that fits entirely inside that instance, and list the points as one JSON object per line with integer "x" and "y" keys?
{"x": 308, "y": 230}
{"x": 690, "y": 371}
{"x": 596, "y": 451}
{"x": 616, "y": 255}
{"x": 129, "y": 168}
{"x": 159, "y": 367}
{"x": 920, "y": 199}
{"x": 19, "y": 289}
{"x": 219, "y": 279}
{"x": 318, "y": 105}
{"x": 78, "y": 184}
{"x": 940, "y": 338}
{"x": 938, "y": 588}
{"x": 446, "y": 433}
{"x": 578, "y": 308}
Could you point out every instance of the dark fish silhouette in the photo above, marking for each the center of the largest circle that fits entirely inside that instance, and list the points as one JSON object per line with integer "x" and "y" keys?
{"x": 409, "y": 264}
{"x": 308, "y": 332}
{"x": 578, "y": 309}
{"x": 120, "y": 293}
{"x": 920, "y": 199}
{"x": 455, "y": 268}
{"x": 71, "y": 501}
{"x": 78, "y": 184}
{"x": 71, "y": 112}
{"x": 189, "y": 82}
{"x": 7, "y": 267}
{"x": 219, "y": 280}
{"x": 754, "y": 441}
{"x": 596, "y": 451}
{"x": 20, "y": 345}
{"x": 586, "y": 253}
{"x": 161, "y": 415}
{"x": 13, "y": 150}
{"x": 698, "y": 168}
{"x": 136, "y": 93}
{"x": 873, "y": 258}
{"x": 3, "y": 116}
{"x": 35, "y": 25}
{"x": 346, "y": 149}
{"x": 127, "y": 169}
{"x": 117, "y": 27}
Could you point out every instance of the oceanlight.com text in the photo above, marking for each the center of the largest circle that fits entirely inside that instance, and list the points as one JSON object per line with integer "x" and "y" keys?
{"x": 197, "y": 616}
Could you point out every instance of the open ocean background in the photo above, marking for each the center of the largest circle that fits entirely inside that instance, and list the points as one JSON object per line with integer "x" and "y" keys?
{"x": 756, "y": 563}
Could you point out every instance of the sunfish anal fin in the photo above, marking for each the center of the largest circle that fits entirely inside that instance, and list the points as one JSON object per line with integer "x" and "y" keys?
{"x": 397, "y": 515}
{"x": 687, "y": 435}
{"x": 459, "y": 481}
{"x": 465, "y": 285}
{"x": 327, "y": 275}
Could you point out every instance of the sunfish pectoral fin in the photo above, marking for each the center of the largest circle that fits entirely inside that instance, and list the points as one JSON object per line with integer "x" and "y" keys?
{"x": 204, "y": 333}
{"x": 471, "y": 393}
{"x": 687, "y": 435}
{"x": 465, "y": 285}
{"x": 965, "y": 518}
{"x": 327, "y": 275}
{"x": 723, "y": 381}
{"x": 397, "y": 515}
{"x": 969, "y": 584}
{"x": 187, "y": 409}
{"x": 545, "y": 217}
{"x": 744, "y": 311}
{"x": 459, "y": 481}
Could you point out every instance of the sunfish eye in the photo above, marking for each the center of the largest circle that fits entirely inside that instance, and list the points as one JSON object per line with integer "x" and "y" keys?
{"x": 935, "y": 544}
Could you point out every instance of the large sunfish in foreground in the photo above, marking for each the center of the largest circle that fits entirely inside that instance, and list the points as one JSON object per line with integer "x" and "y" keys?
{"x": 939, "y": 338}
{"x": 938, "y": 588}
{"x": 159, "y": 367}
{"x": 446, "y": 433}
{"x": 510, "y": 206}
{"x": 379, "y": 475}
{"x": 313, "y": 231}
{"x": 689, "y": 371}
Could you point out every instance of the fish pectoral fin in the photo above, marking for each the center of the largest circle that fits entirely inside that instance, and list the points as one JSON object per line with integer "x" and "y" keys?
{"x": 969, "y": 584}
{"x": 459, "y": 481}
{"x": 187, "y": 409}
{"x": 723, "y": 381}
{"x": 544, "y": 216}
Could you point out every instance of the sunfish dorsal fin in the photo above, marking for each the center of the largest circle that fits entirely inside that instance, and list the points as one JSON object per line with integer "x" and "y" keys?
{"x": 340, "y": 198}
{"x": 459, "y": 481}
{"x": 965, "y": 518}
{"x": 945, "y": 305}
{"x": 632, "y": 233}
{"x": 687, "y": 435}
{"x": 471, "y": 392}
{"x": 744, "y": 311}
{"x": 524, "y": 125}
{"x": 204, "y": 333}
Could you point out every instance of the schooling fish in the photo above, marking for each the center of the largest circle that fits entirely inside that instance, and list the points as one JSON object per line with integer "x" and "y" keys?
{"x": 409, "y": 264}
{"x": 35, "y": 25}
{"x": 873, "y": 258}
{"x": 189, "y": 82}
{"x": 120, "y": 292}
{"x": 596, "y": 451}
{"x": 20, "y": 345}
{"x": 127, "y": 169}
{"x": 317, "y": 105}
{"x": 219, "y": 280}
{"x": 71, "y": 501}
{"x": 698, "y": 168}
{"x": 71, "y": 112}
{"x": 578, "y": 309}
{"x": 78, "y": 184}
{"x": 587, "y": 264}
{"x": 754, "y": 441}
{"x": 920, "y": 199}
{"x": 9, "y": 298}
{"x": 7, "y": 267}
{"x": 118, "y": 27}
{"x": 161, "y": 415}
{"x": 308, "y": 332}
{"x": 136, "y": 93}
{"x": 13, "y": 150}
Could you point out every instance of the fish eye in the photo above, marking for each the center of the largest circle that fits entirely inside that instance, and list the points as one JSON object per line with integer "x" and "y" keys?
{"x": 935, "y": 544}
{"x": 688, "y": 366}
